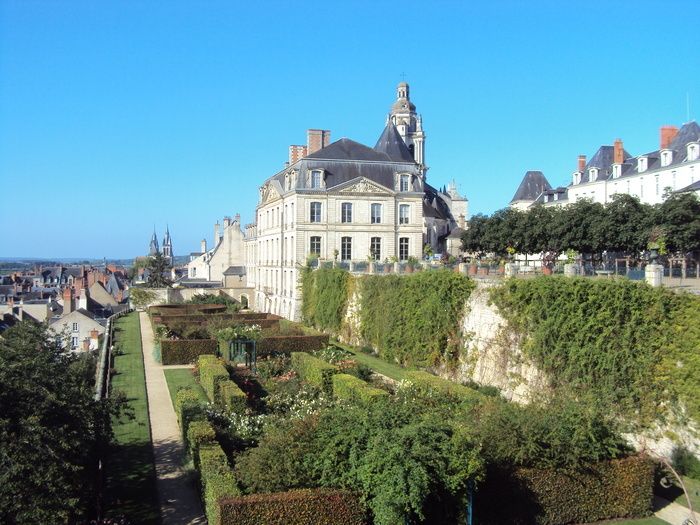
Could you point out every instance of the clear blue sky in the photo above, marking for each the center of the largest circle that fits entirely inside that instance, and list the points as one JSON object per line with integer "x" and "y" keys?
{"x": 118, "y": 116}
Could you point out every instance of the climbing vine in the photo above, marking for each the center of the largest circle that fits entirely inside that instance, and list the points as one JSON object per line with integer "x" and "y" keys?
{"x": 324, "y": 297}
{"x": 635, "y": 346}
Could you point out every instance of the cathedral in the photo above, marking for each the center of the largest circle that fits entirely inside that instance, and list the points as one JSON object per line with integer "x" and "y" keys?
{"x": 167, "y": 245}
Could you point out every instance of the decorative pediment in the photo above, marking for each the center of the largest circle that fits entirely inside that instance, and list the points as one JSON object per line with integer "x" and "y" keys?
{"x": 268, "y": 193}
{"x": 362, "y": 185}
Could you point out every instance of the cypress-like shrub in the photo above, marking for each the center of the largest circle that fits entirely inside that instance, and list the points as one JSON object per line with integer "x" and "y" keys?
{"x": 351, "y": 388}
{"x": 217, "y": 480}
{"x": 188, "y": 408}
{"x": 211, "y": 373}
{"x": 296, "y": 507}
{"x": 430, "y": 383}
{"x": 314, "y": 371}
{"x": 185, "y": 351}
{"x": 607, "y": 490}
{"x": 232, "y": 397}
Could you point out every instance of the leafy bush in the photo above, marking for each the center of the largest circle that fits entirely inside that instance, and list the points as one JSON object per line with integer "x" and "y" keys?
{"x": 188, "y": 408}
{"x": 232, "y": 397}
{"x": 184, "y": 351}
{"x": 350, "y": 388}
{"x": 414, "y": 319}
{"x": 428, "y": 382}
{"x": 211, "y": 373}
{"x": 317, "y": 372}
{"x": 685, "y": 462}
{"x": 273, "y": 366}
{"x": 290, "y": 343}
{"x": 199, "y": 433}
{"x": 324, "y": 297}
{"x": 297, "y": 507}
{"x": 217, "y": 480}
{"x": 613, "y": 489}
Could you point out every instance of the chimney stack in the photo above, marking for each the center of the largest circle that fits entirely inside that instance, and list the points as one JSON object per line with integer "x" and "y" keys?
{"x": 216, "y": 234}
{"x": 581, "y": 163}
{"x": 82, "y": 300}
{"x": 317, "y": 139}
{"x": 618, "y": 152}
{"x": 203, "y": 246}
{"x": 227, "y": 222}
{"x": 296, "y": 153}
{"x": 668, "y": 133}
{"x": 67, "y": 300}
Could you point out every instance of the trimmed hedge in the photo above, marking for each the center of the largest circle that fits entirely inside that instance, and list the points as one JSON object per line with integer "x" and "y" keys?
{"x": 285, "y": 344}
{"x": 184, "y": 309}
{"x": 232, "y": 397}
{"x": 211, "y": 373}
{"x": 188, "y": 408}
{"x": 612, "y": 489}
{"x": 185, "y": 351}
{"x": 431, "y": 383}
{"x": 217, "y": 480}
{"x": 352, "y": 388}
{"x": 199, "y": 433}
{"x": 314, "y": 370}
{"x": 296, "y": 507}
{"x": 192, "y": 319}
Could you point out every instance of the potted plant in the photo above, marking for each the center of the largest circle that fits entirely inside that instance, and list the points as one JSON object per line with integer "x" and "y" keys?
{"x": 427, "y": 251}
{"x": 472, "y": 267}
{"x": 656, "y": 244}
{"x": 571, "y": 267}
{"x": 411, "y": 264}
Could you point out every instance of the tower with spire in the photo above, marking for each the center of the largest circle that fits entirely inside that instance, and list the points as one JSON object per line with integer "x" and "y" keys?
{"x": 154, "y": 243}
{"x": 408, "y": 123}
{"x": 168, "y": 246}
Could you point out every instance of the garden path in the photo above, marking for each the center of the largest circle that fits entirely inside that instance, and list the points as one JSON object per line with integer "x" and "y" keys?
{"x": 672, "y": 512}
{"x": 177, "y": 493}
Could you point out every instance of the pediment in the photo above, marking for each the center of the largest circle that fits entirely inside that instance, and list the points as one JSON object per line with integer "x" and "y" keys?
{"x": 269, "y": 192}
{"x": 363, "y": 186}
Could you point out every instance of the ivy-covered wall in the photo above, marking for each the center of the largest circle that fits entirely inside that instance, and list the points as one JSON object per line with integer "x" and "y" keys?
{"x": 410, "y": 319}
{"x": 636, "y": 347}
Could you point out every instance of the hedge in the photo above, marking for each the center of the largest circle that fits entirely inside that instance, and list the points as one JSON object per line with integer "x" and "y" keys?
{"x": 183, "y": 309}
{"x": 211, "y": 373}
{"x": 192, "y": 319}
{"x": 314, "y": 370}
{"x": 351, "y": 388}
{"x": 199, "y": 433}
{"x": 185, "y": 351}
{"x": 296, "y": 507}
{"x": 429, "y": 382}
{"x": 612, "y": 489}
{"x": 291, "y": 343}
{"x": 217, "y": 480}
{"x": 232, "y": 397}
{"x": 188, "y": 408}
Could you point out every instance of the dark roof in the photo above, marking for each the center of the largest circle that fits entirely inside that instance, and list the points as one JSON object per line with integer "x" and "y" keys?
{"x": 391, "y": 143}
{"x": 235, "y": 270}
{"x": 553, "y": 194}
{"x": 695, "y": 186}
{"x": 346, "y": 149}
{"x": 532, "y": 185}
{"x": 689, "y": 132}
{"x": 603, "y": 160}
{"x": 456, "y": 233}
{"x": 433, "y": 204}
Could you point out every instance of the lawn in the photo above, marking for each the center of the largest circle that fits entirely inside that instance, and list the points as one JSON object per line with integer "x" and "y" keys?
{"x": 380, "y": 366}
{"x": 178, "y": 378}
{"x": 641, "y": 521}
{"x": 130, "y": 472}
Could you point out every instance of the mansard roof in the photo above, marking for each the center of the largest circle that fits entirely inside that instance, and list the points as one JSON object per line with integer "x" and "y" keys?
{"x": 346, "y": 149}
{"x": 531, "y": 187}
{"x": 689, "y": 132}
{"x": 391, "y": 143}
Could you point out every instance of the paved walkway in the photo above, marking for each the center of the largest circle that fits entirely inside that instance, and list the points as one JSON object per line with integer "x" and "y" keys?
{"x": 179, "y": 501}
{"x": 673, "y": 513}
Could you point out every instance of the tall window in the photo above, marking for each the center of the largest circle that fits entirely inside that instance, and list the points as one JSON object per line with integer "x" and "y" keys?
{"x": 375, "y": 248}
{"x": 75, "y": 327}
{"x": 403, "y": 213}
{"x": 315, "y": 215}
{"x": 315, "y": 245}
{"x": 315, "y": 179}
{"x": 346, "y": 212}
{"x": 74, "y": 342}
{"x": 404, "y": 183}
{"x": 376, "y": 213}
{"x": 345, "y": 248}
{"x": 403, "y": 248}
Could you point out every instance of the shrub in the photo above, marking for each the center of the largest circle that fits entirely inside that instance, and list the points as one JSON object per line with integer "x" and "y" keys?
{"x": 313, "y": 370}
{"x": 188, "y": 408}
{"x": 288, "y": 344}
{"x": 430, "y": 383}
{"x": 199, "y": 433}
{"x": 350, "y": 388}
{"x": 612, "y": 489}
{"x": 185, "y": 351}
{"x": 232, "y": 397}
{"x": 217, "y": 480}
{"x": 324, "y": 297}
{"x": 296, "y": 507}
{"x": 685, "y": 462}
{"x": 211, "y": 373}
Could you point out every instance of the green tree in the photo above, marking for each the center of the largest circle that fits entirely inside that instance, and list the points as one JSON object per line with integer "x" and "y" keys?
{"x": 141, "y": 297}
{"x": 50, "y": 429}
{"x": 159, "y": 270}
{"x": 581, "y": 227}
{"x": 679, "y": 215}
{"x": 473, "y": 237}
{"x": 625, "y": 225}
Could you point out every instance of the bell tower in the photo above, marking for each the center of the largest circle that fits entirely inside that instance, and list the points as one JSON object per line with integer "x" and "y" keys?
{"x": 408, "y": 123}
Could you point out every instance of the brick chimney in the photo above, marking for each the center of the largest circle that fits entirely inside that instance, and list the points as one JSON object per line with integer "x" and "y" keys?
{"x": 317, "y": 139}
{"x": 668, "y": 133}
{"x": 296, "y": 153}
{"x": 618, "y": 152}
{"x": 67, "y": 300}
{"x": 581, "y": 163}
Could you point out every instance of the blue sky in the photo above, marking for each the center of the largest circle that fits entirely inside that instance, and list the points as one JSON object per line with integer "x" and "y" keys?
{"x": 118, "y": 116}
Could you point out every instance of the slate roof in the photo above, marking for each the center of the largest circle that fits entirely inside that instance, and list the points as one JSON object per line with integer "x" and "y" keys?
{"x": 235, "y": 270}
{"x": 456, "y": 233}
{"x": 391, "y": 143}
{"x": 433, "y": 204}
{"x": 532, "y": 185}
{"x": 561, "y": 193}
{"x": 346, "y": 149}
{"x": 695, "y": 186}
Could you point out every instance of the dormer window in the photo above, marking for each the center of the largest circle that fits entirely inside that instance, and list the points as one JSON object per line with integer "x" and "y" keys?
{"x": 642, "y": 163}
{"x": 666, "y": 157}
{"x": 592, "y": 174}
{"x": 577, "y": 177}
{"x": 316, "y": 178}
{"x": 693, "y": 151}
{"x": 404, "y": 182}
